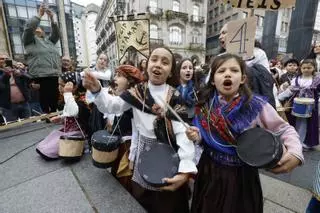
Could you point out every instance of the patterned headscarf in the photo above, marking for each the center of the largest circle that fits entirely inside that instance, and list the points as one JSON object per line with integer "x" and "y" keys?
{"x": 133, "y": 72}
{"x": 71, "y": 77}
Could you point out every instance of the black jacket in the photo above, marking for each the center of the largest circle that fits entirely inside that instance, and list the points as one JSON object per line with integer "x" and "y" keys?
{"x": 261, "y": 82}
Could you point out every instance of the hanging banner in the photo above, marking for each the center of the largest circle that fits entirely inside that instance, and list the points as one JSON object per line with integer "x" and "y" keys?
{"x": 132, "y": 34}
{"x": 261, "y": 4}
{"x": 241, "y": 36}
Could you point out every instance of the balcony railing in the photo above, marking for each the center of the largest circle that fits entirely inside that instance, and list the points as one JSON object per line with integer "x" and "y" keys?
{"x": 154, "y": 41}
{"x": 197, "y": 19}
{"x": 155, "y": 12}
{"x": 196, "y": 46}
{"x": 170, "y": 14}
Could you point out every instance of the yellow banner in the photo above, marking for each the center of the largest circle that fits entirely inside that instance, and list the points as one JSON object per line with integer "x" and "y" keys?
{"x": 261, "y": 4}
{"x": 132, "y": 33}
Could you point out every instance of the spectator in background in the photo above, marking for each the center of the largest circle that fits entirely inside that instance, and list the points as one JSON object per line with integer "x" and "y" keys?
{"x": 291, "y": 66}
{"x": 67, "y": 64}
{"x": 43, "y": 59}
{"x": 14, "y": 94}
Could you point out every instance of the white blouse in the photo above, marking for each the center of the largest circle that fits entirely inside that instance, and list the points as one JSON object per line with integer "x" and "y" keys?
{"x": 107, "y": 103}
{"x": 70, "y": 108}
{"x": 303, "y": 82}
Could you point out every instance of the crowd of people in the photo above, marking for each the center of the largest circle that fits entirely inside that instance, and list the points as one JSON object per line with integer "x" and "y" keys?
{"x": 217, "y": 106}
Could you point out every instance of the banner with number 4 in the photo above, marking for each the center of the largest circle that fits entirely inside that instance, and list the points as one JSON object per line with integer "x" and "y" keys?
{"x": 241, "y": 36}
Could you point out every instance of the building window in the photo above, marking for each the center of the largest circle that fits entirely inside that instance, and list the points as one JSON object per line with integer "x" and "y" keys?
{"x": 9, "y": 1}
{"x": 175, "y": 35}
{"x": 286, "y": 27}
{"x": 32, "y": 12}
{"x": 215, "y": 27}
{"x": 211, "y": 2}
{"x": 153, "y": 31}
{"x": 196, "y": 36}
{"x": 195, "y": 12}
{"x": 176, "y": 6}
{"x": 221, "y": 24}
{"x": 211, "y": 14}
{"x": 210, "y": 29}
{"x": 221, "y": 8}
{"x": 16, "y": 39}
{"x": 20, "y": 2}
{"x": 12, "y": 11}
{"x": 216, "y": 11}
{"x": 18, "y": 49}
{"x": 153, "y": 6}
{"x": 260, "y": 21}
{"x": 22, "y": 12}
{"x": 32, "y": 3}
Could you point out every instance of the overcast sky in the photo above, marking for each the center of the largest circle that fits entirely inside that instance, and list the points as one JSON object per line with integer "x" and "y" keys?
{"x": 86, "y": 2}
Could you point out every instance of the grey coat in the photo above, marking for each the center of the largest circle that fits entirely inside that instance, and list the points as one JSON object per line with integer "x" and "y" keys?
{"x": 43, "y": 57}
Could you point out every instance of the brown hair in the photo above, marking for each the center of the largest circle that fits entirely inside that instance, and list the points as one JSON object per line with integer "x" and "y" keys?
{"x": 173, "y": 80}
{"x": 206, "y": 92}
{"x": 308, "y": 61}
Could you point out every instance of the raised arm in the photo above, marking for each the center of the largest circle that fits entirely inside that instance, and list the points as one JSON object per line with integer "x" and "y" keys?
{"x": 29, "y": 28}
{"x": 55, "y": 33}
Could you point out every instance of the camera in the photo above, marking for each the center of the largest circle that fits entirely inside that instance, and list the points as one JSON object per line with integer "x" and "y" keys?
{"x": 8, "y": 63}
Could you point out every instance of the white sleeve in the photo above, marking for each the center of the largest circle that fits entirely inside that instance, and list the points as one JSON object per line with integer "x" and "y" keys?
{"x": 186, "y": 150}
{"x": 70, "y": 108}
{"x": 102, "y": 75}
{"x": 285, "y": 94}
{"x": 107, "y": 103}
{"x": 134, "y": 142}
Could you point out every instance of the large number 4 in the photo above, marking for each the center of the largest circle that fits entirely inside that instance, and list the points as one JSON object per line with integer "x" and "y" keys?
{"x": 242, "y": 32}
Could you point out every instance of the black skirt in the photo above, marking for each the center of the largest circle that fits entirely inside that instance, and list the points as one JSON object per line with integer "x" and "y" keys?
{"x": 162, "y": 201}
{"x": 226, "y": 189}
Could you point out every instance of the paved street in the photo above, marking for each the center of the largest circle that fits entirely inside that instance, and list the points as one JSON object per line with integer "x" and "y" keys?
{"x": 29, "y": 184}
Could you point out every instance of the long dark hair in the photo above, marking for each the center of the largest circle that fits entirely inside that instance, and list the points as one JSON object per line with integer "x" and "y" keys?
{"x": 180, "y": 65}
{"x": 209, "y": 89}
{"x": 173, "y": 80}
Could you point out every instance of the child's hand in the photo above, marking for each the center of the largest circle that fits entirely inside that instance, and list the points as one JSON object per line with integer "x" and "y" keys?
{"x": 287, "y": 163}
{"x": 193, "y": 133}
{"x": 91, "y": 83}
{"x": 176, "y": 182}
{"x": 68, "y": 87}
{"x": 55, "y": 119}
{"x": 285, "y": 85}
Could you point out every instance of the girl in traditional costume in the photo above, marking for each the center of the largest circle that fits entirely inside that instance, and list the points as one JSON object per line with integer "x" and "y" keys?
{"x": 305, "y": 85}
{"x": 186, "y": 87}
{"x": 224, "y": 183}
{"x": 126, "y": 77}
{"x": 188, "y": 93}
{"x": 154, "y": 125}
{"x": 74, "y": 117}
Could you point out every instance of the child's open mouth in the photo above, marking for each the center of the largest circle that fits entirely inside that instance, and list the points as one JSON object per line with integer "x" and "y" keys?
{"x": 156, "y": 73}
{"x": 227, "y": 84}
